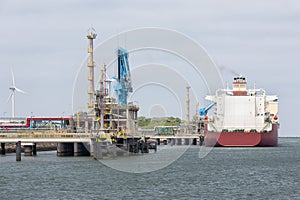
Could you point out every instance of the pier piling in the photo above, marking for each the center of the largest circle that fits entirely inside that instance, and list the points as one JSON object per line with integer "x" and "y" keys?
{"x": 18, "y": 151}
{"x": 194, "y": 141}
{"x": 2, "y": 148}
{"x": 80, "y": 150}
{"x": 65, "y": 149}
{"x": 34, "y": 149}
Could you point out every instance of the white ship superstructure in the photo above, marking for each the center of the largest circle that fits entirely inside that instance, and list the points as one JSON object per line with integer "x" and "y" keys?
{"x": 242, "y": 109}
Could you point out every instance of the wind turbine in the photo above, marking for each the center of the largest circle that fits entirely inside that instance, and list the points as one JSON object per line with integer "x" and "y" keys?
{"x": 13, "y": 89}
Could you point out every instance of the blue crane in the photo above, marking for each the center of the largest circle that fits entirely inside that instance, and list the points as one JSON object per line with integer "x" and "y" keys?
{"x": 123, "y": 86}
{"x": 204, "y": 111}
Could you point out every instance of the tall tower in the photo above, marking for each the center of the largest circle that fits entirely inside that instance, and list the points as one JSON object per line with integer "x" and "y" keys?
{"x": 91, "y": 36}
{"x": 188, "y": 105}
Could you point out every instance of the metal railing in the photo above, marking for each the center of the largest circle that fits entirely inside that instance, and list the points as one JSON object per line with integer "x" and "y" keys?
{"x": 45, "y": 134}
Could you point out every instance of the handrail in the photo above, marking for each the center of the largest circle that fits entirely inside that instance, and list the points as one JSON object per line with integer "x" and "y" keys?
{"x": 44, "y": 135}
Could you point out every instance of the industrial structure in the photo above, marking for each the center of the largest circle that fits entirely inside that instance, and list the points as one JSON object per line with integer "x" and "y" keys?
{"x": 91, "y": 36}
{"x": 188, "y": 105}
{"x": 111, "y": 120}
{"x": 108, "y": 126}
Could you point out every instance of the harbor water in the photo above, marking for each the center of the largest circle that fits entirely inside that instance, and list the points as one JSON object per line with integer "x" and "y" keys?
{"x": 225, "y": 173}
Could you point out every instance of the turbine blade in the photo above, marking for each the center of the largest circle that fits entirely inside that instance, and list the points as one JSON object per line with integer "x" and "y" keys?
{"x": 9, "y": 98}
{"x": 19, "y": 90}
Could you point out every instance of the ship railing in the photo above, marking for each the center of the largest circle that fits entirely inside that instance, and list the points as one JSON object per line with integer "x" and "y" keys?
{"x": 259, "y": 91}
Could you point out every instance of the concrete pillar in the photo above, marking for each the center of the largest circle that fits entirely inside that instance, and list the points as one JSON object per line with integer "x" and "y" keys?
{"x": 18, "y": 151}
{"x": 65, "y": 149}
{"x": 28, "y": 150}
{"x": 92, "y": 146}
{"x": 178, "y": 141}
{"x": 95, "y": 149}
{"x": 80, "y": 150}
{"x": 34, "y": 149}
{"x": 113, "y": 152}
{"x": 99, "y": 150}
{"x": 173, "y": 141}
{"x": 186, "y": 141}
{"x": 2, "y": 148}
{"x": 104, "y": 148}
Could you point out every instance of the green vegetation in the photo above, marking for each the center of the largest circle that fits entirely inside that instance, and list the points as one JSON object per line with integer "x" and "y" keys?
{"x": 150, "y": 123}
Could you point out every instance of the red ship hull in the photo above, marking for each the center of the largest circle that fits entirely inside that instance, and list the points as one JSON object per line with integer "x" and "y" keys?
{"x": 243, "y": 139}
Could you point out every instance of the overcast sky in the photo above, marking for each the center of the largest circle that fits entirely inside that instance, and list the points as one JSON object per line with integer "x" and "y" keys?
{"x": 44, "y": 42}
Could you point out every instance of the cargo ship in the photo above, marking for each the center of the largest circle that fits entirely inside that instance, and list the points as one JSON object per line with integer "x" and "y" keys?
{"x": 242, "y": 117}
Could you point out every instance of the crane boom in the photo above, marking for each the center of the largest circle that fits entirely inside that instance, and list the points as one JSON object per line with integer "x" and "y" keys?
{"x": 204, "y": 111}
{"x": 123, "y": 86}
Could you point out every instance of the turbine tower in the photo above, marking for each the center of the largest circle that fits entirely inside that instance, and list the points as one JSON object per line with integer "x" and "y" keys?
{"x": 11, "y": 97}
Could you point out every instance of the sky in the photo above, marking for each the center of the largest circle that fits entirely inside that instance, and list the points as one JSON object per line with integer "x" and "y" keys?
{"x": 44, "y": 43}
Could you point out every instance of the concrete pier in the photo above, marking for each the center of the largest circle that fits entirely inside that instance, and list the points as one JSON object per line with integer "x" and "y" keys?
{"x": 2, "y": 148}
{"x": 80, "y": 149}
{"x": 65, "y": 149}
{"x": 101, "y": 149}
{"x": 92, "y": 146}
{"x": 18, "y": 151}
{"x": 27, "y": 150}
